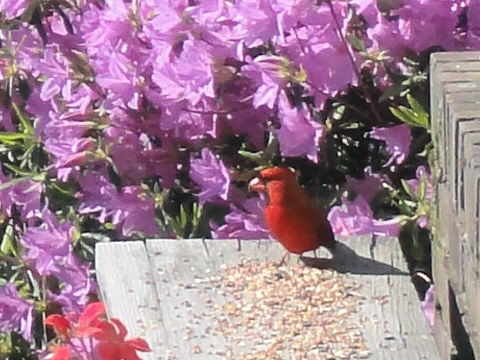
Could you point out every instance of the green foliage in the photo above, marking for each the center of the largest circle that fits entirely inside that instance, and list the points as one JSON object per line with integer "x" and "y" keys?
{"x": 413, "y": 116}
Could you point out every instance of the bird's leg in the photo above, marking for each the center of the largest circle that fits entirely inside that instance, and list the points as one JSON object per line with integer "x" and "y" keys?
{"x": 315, "y": 253}
{"x": 372, "y": 246}
{"x": 282, "y": 262}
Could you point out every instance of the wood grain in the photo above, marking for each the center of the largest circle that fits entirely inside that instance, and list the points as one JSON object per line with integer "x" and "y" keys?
{"x": 161, "y": 291}
{"x": 128, "y": 289}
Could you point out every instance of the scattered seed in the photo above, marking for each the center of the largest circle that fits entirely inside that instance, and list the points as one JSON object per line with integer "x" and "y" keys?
{"x": 196, "y": 349}
{"x": 291, "y": 311}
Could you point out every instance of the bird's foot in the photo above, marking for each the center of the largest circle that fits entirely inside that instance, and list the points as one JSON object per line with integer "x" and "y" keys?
{"x": 372, "y": 246}
{"x": 282, "y": 262}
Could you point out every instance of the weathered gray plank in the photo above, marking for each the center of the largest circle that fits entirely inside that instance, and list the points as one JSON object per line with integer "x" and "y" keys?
{"x": 181, "y": 269}
{"x": 127, "y": 287}
{"x": 392, "y": 322}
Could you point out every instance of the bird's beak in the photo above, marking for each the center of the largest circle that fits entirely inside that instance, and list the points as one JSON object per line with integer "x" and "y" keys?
{"x": 256, "y": 185}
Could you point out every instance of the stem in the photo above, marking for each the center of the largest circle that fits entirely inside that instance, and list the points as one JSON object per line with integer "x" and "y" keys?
{"x": 365, "y": 89}
{"x": 44, "y": 300}
{"x": 210, "y": 112}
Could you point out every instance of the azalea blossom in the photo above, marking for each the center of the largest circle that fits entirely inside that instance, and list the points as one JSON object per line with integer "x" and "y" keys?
{"x": 428, "y": 306}
{"x": 397, "y": 140}
{"x": 212, "y": 175}
{"x": 16, "y": 313}
{"x": 356, "y": 218}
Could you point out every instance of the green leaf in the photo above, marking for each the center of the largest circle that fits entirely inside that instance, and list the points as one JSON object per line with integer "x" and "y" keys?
{"x": 420, "y": 113}
{"x": 356, "y": 43}
{"x": 18, "y": 171}
{"x": 197, "y": 215}
{"x": 422, "y": 190}
{"x": 7, "y": 247}
{"x": 27, "y": 126}
{"x": 407, "y": 188}
{"x": 256, "y": 157}
{"x": 12, "y": 138}
{"x": 183, "y": 217}
{"x": 414, "y": 116}
{"x": 404, "y": 114}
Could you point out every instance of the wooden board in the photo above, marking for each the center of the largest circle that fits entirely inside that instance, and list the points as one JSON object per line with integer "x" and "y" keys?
{"x": 455, "y": 120}
{"x": 160, "y": 291}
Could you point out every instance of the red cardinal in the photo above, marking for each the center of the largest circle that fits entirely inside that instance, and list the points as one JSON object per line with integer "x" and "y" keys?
{"x": 291, "y": 215}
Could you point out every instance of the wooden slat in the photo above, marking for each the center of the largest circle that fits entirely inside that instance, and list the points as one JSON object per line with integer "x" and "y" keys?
{"x": 127, "y": 287}
{"x": 390, "y": 317}
{"x": 180, "y": 268}
{"x": 393, "y": 323}
{"x": 455, "y": 119}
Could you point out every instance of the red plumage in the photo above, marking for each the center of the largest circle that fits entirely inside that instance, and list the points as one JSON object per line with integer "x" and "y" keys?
{"x": 291, "y": 215}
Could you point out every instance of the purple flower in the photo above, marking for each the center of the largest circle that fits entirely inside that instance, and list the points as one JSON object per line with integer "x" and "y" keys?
{"x": 64, "y": 139}
{"x": 134, "y": 154}
{"x": 256, "y": 22}
{"x": 15, "y": 313}
{"x": 48, "y": 244}
{"x": 298, "y": 134}
{"x": 439, "y": 16}
{"x": 117, "y": 73}
{"x": 105, "y": 25}
{"x": 397, "y": 140}
{"x": 130, "y": 210}
{"x": 368, "y": 186}
{"x": 428, "y": 306}
{"x": 317, "y": 49}
{"x": 213, "y": 177}
{"x": 356, "y": 218}
{"x": 25, "y": 194}
{"x": 189, "y": 77}
{"x": 77, "y": 285}
{"x": 49, "y": 251}
{"x": 385, "y": 35}
{"x": 473, "y": 33}
{"x": 270, "y": 75}
{"x": 134, "y": 212}
{"x": 6, "y": 119}
{"x": 421, "y": 175}
{"x": 13, "y": 8}
{"x": 247, "y": 222}
{"x": 248, "y": 122}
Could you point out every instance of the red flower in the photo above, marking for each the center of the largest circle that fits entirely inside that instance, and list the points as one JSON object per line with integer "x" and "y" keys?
{"x": 89, "y": 319}
{"x": 112, "y": 344}
{"x": 61, "y": 353}
{"x": 110, "y": 334}
{"x": 60, "y": 324}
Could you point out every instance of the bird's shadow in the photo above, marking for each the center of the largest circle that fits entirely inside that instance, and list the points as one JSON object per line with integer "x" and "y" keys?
{"x": 346, "y": 260}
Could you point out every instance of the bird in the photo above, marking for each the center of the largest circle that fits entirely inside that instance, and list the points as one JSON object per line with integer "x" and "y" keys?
{"x": 291, "y": 215}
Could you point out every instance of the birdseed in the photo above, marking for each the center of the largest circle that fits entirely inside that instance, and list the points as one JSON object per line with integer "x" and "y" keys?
{"x": 287, "y": 312}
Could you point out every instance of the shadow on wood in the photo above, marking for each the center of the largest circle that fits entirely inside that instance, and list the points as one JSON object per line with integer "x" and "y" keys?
{"x": 346, "y": 260}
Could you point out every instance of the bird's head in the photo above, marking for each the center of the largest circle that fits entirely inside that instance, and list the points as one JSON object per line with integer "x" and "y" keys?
{"x": 273, "y": 181}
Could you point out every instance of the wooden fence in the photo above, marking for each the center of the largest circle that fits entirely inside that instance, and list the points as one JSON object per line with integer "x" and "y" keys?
{"x": 455, "y": 119}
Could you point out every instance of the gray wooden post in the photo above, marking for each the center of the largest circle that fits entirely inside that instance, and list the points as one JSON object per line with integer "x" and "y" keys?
{"x": 455, "y": 120}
